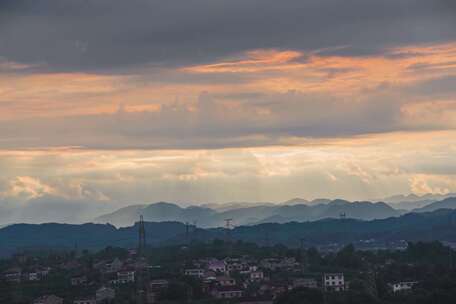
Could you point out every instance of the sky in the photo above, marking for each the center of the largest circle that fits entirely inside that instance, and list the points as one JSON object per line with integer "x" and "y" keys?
{"x": 107, "y": 103}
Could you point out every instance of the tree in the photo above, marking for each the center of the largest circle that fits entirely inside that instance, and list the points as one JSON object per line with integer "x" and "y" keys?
{"x": 301, "y": 296}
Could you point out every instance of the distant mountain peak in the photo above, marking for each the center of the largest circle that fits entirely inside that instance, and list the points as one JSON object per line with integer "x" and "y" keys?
{"x": 295, "y": 201}
{"x": 297, "y": 209}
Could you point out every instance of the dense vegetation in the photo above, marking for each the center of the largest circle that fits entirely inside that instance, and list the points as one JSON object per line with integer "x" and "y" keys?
{"x": 369, "y": 272}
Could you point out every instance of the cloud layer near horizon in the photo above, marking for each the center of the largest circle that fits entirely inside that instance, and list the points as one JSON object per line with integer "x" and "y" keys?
{"x": 121, "y": 82}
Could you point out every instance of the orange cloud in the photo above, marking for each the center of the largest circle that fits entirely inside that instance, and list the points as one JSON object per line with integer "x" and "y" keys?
{"x": 281, "y": 71}
{"x": 254, "y": 61}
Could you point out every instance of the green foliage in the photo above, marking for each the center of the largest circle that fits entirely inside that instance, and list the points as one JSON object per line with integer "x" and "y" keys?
{"x": 301, "y": 296}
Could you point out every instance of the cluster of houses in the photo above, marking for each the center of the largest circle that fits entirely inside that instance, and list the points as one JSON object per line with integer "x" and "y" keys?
{"x": 102, "y": 295}
{"x": 17, "y": 274}
{"x": 229, "y": 278}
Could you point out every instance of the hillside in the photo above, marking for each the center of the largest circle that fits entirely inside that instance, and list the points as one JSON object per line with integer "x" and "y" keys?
{"x": 413, "y": 201}
{"x": 437, "y": 225}
{"x": 448, "y": 203}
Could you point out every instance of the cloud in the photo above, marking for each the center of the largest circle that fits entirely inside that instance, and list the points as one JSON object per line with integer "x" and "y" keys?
{"x": 27, "y": 187}
{"x": 109, "y": 102}
{"x": 96, "y": 35}
{"x": 29, "y": 199}
{"x": 358, "y": 168}
{"x": 281, "y": 97}
{"x": 423, "y": 184}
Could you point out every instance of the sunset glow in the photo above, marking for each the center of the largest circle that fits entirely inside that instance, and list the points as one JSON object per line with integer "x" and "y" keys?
{"x": 94, "y": 114}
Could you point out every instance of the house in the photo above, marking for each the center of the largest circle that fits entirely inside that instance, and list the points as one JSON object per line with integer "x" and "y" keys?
{"x": 105, "y": 294}
{"x": 270, "y": 263}
{"x": 158, "y": 284}
{"x": 333, "y": 282}
{"x": 32, "y": 276}
{"x": 85, "y": 301}
{"x": 78, "y": 280}
{"x": 36, "y": 274}
{"x": 305, "y": 282}
{"x": 402, "y": 286}
{"x": 13, "y": 275}
{"x": 227, "y": 292}
{"x": 234, "y": 265}
{"x": 113, "y": 266}
{"x": 216, "y": 266}
{"x": 194, "y": 272}
{"x": 252, "y": 267}
{"x": 48, "y": 299}
{"x": 288, "y": 263}
{"x": 225, "y": 281}
{"x": 71, "y": 265}
{"x": 125, "y": 276}
{"x": 256, "y": 276}
{"x": 43, "y": 271}
{"x": 209, "y": 276}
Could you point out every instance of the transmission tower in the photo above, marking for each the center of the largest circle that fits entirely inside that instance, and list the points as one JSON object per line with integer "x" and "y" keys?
{"x": 187, "y": 231}
{"x": 228, "y": 228}
{"x": 228, "y": 234}
{"x": 142, "y": 237}
{"x": 140, "y": 270}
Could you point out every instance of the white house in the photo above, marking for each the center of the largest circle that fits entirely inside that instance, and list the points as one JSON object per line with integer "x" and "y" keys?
{"x": 256, "y": 276}
{"x": 13, "y": 275}
{"x": 402, "y": 286}
{"x": 32, "y": 276}
{"x": 334, "y": 282}
{"x": 227, "y": 292}
{"x": 125, "y": 276}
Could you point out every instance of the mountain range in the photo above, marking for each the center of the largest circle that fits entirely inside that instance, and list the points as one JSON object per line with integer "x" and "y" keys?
{"x": 437, "y": 225}
{"x": 294, "y": 210}
{"x": 299, "y": 210}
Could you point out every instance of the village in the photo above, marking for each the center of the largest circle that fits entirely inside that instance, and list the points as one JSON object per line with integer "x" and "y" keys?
{"x": 116, "y": 275}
